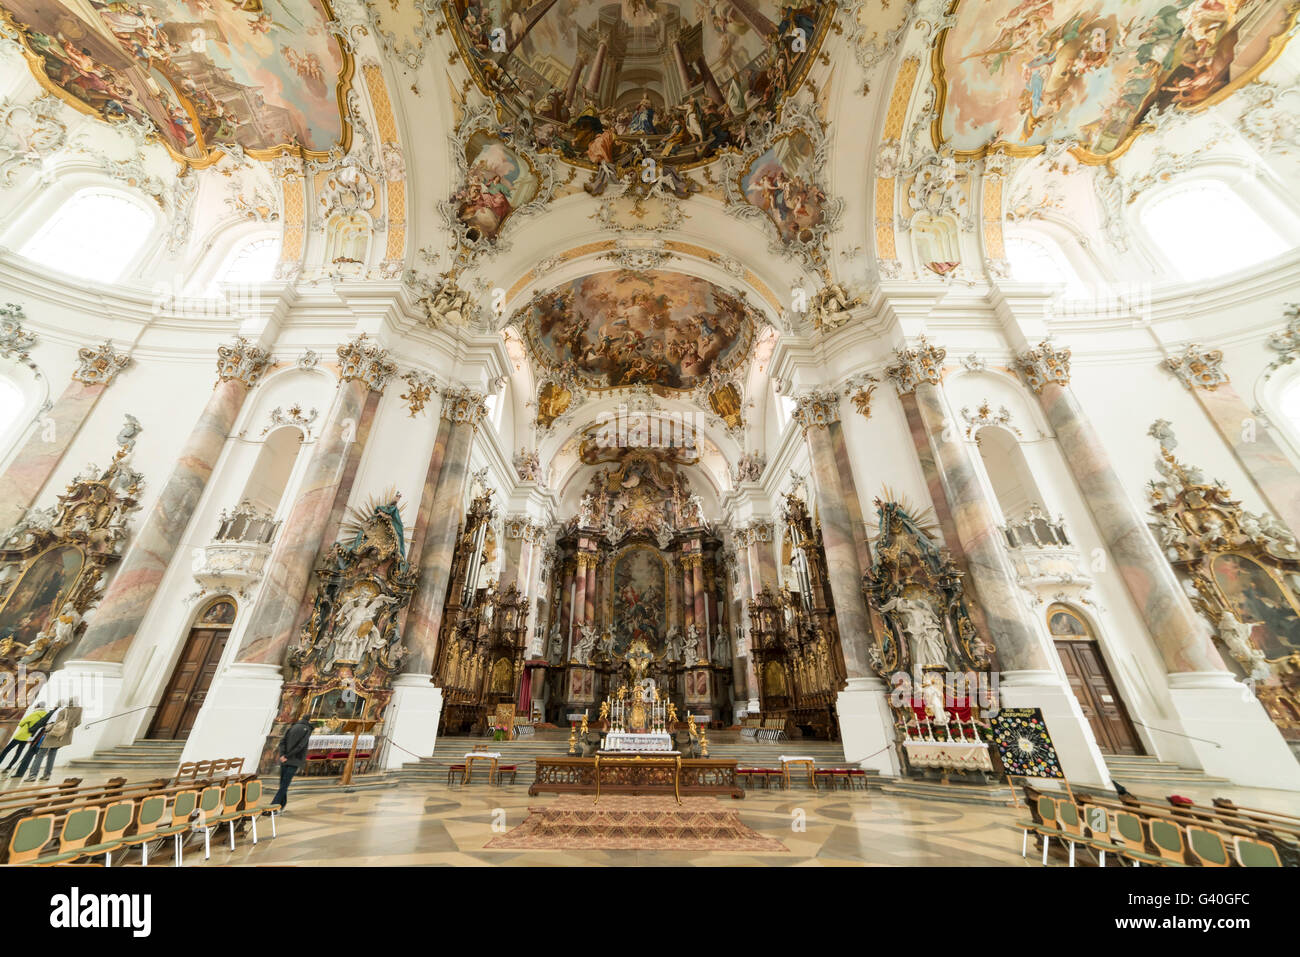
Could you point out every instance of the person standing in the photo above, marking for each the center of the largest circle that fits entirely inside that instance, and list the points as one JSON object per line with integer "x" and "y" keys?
{"x": 38, "y": 733}
{"x": 58, "y": 734}
{"x": 23, "y": 734}
{"x": 293, "y": 754}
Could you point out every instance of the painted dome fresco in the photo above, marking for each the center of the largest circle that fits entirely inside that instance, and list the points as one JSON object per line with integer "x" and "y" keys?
{"x": 608, "y": 83}
{"x": 265, "y": 76}
{"x": 653, "y": 328}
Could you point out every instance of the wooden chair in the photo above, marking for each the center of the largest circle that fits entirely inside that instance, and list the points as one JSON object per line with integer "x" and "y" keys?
{"x": 1043, "y": 823}
{"x": 183, "y": 805}
{"x": 253, "y": 807}
{"x": 30, "y": 837}
{"x": 857, "y": 776}
{"x": 1207, "y": 847}
{"x": 1250, "y": 852}
{"x": 232, "y": 796}
{"x": 78, "y": 827}
{"x": 148, "y": 821}
{"x": 117, "y": 819}
{"x": 209, "y": 808}
{"x": 509, "y": 769}
{"x": 455, "y": 772}
{"x": 1097, "y": 828}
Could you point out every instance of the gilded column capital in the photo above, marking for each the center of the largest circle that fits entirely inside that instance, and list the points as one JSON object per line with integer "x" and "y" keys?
{"x": 1198, "y": 367}
{"x": 691, "y": 561}
{"x": 1043, "y": 364}
{"x": 913, "y": 367}
{"x": 99, "y": 365}
{"x": 817, "y": 408}
{"x": 370, "y": 364}
{"x": 242, "y": 361}
{"x": 460, "y": 404}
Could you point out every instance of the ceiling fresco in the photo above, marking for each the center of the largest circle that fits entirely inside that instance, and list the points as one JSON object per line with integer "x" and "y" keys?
{"x": 606, "y": 84}
{"x": 622, "y": 328}
{"x": 266, "y": 75}
{"x": 1016, "y": 75}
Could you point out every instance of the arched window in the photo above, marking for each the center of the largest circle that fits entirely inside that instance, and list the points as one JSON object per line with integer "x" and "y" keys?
{"x": 94, "y": 235}
{"x": 1205, "y": 229}
{"x": 254, "y": 261}
{"x": 11, "y": 406}
{"x": 1038, "y": 259}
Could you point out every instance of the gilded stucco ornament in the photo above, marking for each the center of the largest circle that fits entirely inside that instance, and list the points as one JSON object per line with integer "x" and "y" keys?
{"x": 366, "y": 363}
{"x": 99, "y": 364}
{"x": 918, "y": 366}
{"x": 1044, "y": 364}
{"x": 241, "y": 360}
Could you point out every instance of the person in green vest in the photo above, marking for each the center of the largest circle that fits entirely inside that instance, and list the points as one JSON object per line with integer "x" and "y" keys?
{"x": 28, "y": 727}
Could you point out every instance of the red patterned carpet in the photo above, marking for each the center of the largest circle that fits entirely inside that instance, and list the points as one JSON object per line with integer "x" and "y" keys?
{"x": 622, "y": 822}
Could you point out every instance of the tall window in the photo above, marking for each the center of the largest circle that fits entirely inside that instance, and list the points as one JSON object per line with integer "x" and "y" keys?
{"x": 94, "y": 235}
{"x": 1205, "y": 229}
{"x": 1037, "y": 259}
{"x": 254, "y": 261}
{"x": 11, "y": 406}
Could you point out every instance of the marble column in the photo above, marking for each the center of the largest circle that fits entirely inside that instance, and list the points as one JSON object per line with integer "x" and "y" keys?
{"x": 815, "y": 411}
{"x": 1201, "y": 371}
{"x": 579, "y": 599}
{"x": 364, "y": 370}
{"x": 465, "y": 411}
{"x": 688, "y": 596}
{"x": 1225, "y": 727}
{"x": 566, "y": 609}
{"x": 762, "y": 558}
{"x": 116, "y": 622}
{"x": 1020, "y": 645}
{"x": 244, "y": 698}
{"x": 698, "y": 593}
{"x": 34, "y": 463}
{"x": 742, "y": 662}
{"x": 416, "y": 706}
{"x": 1028, "y": 677}
{"x": 590, "y": 605}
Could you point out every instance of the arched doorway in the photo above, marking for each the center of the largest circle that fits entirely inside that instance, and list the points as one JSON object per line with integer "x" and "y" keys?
{"x": 193, "y": 673}
{"x": 1091, "y": 682}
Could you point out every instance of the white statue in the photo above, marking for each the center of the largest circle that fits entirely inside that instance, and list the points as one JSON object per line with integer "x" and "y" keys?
{"x": 722, "y": 652}
{"x": 1235, "y": 635}
{"x": 607, "y": 643}
{"x": 695, "y": 645}
{"x": 357, "y": 613}
{"x": 923, "y": 629}
{"x": 932, "y": 695}
{"x": 586, "y": 645}
{"x": 673, "y": 644}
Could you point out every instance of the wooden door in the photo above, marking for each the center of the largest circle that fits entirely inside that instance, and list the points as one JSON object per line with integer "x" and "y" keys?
{"x": 1091, "y": 682}
{"x": 190, "y": 680}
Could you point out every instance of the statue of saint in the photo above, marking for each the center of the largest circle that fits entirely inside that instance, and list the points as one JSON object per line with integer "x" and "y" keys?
{"x": 356, "y": 621}
{"x": 923, "y": 629}
{"x": 673, "y": 644}
{"x": 1235, "y": 635}
{"x": 586, "y": 645}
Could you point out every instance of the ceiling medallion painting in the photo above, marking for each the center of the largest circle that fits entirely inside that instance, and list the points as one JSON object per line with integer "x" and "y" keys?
{"x": 604, "y": 82}
{"x": 780, "y": 180}
{"x": 499, "y": 177}
{"x": 1018, "y": 76}
{"x": 268, "y": 76}
{"x": 661, "y": 329}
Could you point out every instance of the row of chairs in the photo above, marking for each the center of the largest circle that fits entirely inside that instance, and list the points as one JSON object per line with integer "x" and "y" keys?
{"x": 327, "y": 760}
{"x": 1141, "y": 836}
{"x": 212, "y": 768}
{"x": 832, "y": 777}
{"x": 91, "y": 830}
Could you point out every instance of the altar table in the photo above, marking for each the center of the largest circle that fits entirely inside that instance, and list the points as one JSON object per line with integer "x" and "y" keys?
{"x": 949, "y": 755}
{"x": 636, "y": 774}
{"x": 472, "y": 756}
{"x": 626, "y": 741}
{"x": 809, "y": 764}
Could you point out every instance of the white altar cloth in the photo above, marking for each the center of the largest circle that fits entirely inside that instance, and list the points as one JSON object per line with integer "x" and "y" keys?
{"x": 486, "y": 755}
{"x": 625, "y": 741}
{"x": 336, "y": 742}
{"x": 949, "y": 755}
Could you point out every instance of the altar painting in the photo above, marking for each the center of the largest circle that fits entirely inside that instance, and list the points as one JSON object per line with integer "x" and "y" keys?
{"x": 1047, "y": 69}
{"x": 46, "y": 584}
{"x": 1256, "y": 598}
{"x": 640, "y": 599}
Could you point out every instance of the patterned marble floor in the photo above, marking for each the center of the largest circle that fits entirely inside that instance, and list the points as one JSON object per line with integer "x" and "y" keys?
{"x": 439, "y": 825}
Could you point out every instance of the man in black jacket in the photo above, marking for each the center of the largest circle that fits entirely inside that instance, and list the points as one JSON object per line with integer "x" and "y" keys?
{"x": 293, "y": 755}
